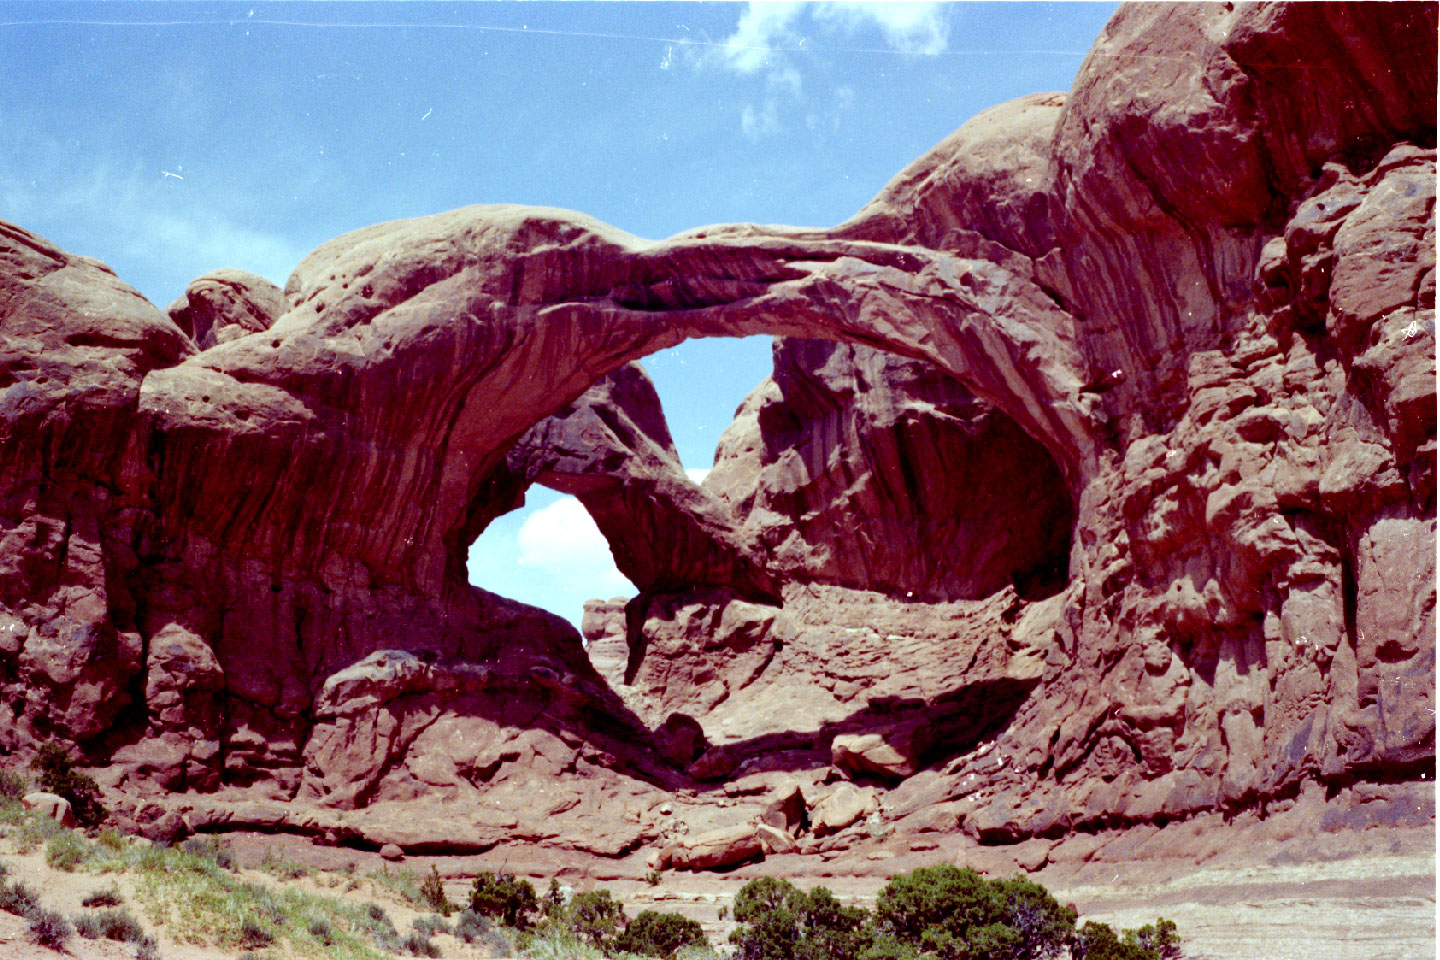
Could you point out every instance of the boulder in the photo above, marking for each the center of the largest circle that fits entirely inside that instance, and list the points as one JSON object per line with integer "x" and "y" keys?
{"x": 55, "y": 807}
{"x": 893, "y": 755}
{"x": 223, "y": 305}
{"x": 724, "y": 847}
{"x": 787, "y": 812}
{"x": 844, "y": 805}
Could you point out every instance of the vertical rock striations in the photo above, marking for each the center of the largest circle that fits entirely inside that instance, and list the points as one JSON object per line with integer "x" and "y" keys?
{"x": 232, "y": 541}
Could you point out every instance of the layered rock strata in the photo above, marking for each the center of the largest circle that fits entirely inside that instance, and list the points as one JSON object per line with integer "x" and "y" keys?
{"x": 232, "y": 556}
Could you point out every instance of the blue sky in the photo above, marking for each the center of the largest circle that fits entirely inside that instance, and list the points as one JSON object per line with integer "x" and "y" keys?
{"x": 169, "y": 139}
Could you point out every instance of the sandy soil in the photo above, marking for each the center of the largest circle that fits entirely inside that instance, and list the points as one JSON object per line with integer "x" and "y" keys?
{"x": 1363, "y": 895}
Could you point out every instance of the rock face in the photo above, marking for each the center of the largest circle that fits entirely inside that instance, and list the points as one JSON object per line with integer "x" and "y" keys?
{"x": 1178, "y": 323}
{"x": 224, "y": 305}
{"x": 860, "y": 468}
{"x": 612, "y": 450}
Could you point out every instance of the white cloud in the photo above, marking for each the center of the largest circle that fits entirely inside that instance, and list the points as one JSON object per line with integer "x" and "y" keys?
{"x": 912, "y": 28}
{"x": 561, "y": 542}
{"x": 767, "y": 32}
{"x": 762, "y": 27}
{"x": 697, "y": 475}
{"x": 768, "y": 35}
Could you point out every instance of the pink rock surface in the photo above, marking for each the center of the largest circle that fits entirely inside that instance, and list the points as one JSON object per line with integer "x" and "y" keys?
{"x": 1199, "y": 287}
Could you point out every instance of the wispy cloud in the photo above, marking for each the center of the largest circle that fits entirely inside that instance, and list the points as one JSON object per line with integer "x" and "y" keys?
{"x": 762, "y": 28}
{"x": 762, "y": 121}
{"x": 770, "y": 37}
{"x": 152, "y": 224}
{"x": 919, "y": 29}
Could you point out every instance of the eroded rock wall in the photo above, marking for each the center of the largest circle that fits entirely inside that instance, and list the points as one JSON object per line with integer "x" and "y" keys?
{"x": 1203, "y": 289}
{"x": 859, "y": 468}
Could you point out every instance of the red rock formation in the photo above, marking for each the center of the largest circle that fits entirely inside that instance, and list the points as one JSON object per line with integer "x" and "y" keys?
{"x": 865, "y": 469}
{"x": 1203, "y": 283}
{"x": 612, "y": 450}
{"x": 224, "y": 305}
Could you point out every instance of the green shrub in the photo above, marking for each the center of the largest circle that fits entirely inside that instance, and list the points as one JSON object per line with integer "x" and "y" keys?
{"x": 886, "y": 947}
{"x": 117, "y": 923}
{"x": 471, "y": 926}
{"x": 108, "y": 897}
{"x": 503, "y": 896}
{"x": 18, "y": 899}
{"x": 553, "y": 903}
{"x": 1162, "y": 937}
{"x": 653, "y": 934}
{"x": 49, "y": 929}
{"x": 935, "y": 913}
{"x": 955, "y": 912}
{"x": 321, "y": 930}
{"x": 254, "y": 934}
{"x": 1099, "y": 941}
{"x": 431, "y": 925}
{"x": 58, "y": 776}
{"x": 66, "y": 851}
{"x": 417, "y": 944}
{"x": 88, "y": 925}
{"x": 432, "y": 891}
{"x": 594, "y": 916}
{"x": 778, "y": 921}
{"x": 12, "y": 785}
{"x": 212, "y": 849}
{"x": 146, "y": 949}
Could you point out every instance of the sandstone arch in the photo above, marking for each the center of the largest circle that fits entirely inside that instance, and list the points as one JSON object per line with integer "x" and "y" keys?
{"x": 1231, "y": 359}
{"x": 426, "y": 325}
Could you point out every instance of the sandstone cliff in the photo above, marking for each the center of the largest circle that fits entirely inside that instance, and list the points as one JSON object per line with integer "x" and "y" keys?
{"x": 1188, "y": 310}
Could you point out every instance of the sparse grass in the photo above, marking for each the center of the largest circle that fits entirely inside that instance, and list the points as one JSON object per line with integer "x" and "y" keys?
{"x": 49, "y": 929}
{"x": 557, "y": 944}
{"x": 110, "y": 924}
{"x": 66, "y": 851}
{"x": 403, "y": 887}
{"x": 18, "y": 899}
{"x": 33, "y": 829}
{"x": 213, "y": 849}
{"x": 111, "y": 840}
{"x": 322, "y": 930}
{"x": 282, "y": 869}
{"x": 471, "y": 926}
{"x": 417, "y": 944}
{"x": 190, "y": 891}
{"x": 88, "y": 925}
{"x": 12, "y": 814}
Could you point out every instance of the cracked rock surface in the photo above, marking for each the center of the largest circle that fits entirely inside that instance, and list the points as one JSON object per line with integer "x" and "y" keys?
{"x": 1109, "y": 499}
